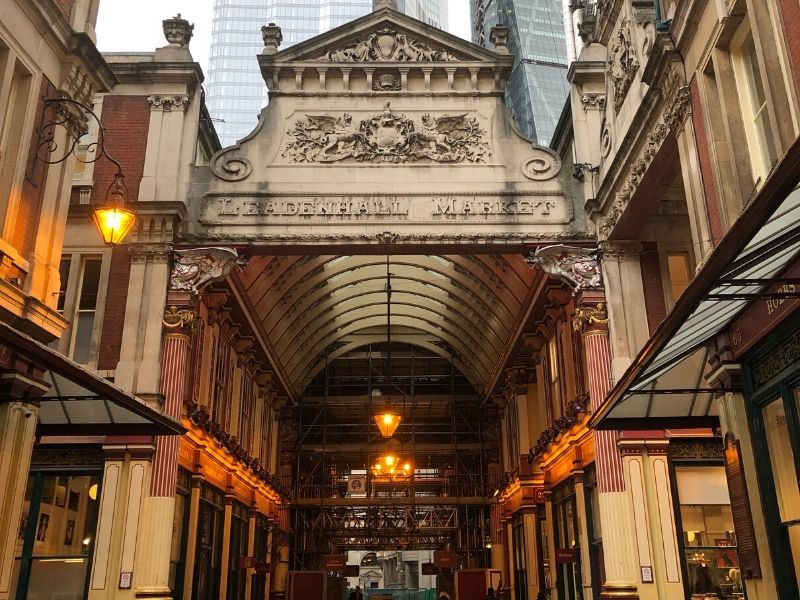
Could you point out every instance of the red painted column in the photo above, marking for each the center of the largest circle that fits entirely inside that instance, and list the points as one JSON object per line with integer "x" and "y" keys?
{"x": 621, "y": 577}
{"x": 174, "y": 362}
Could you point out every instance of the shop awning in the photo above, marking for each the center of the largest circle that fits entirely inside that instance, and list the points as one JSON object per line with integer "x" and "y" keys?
{"x": 80, "y": 402}
{"x": 665, "y": 387}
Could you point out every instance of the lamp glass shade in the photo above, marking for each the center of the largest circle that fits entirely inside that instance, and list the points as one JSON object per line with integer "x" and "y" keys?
{"x": 387, "y": 422}
{"x": 114, "y": 223}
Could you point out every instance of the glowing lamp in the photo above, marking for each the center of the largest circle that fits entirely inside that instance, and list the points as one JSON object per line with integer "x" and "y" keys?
{"x": 387, "y": 422}
{"x": 112, "y": 219}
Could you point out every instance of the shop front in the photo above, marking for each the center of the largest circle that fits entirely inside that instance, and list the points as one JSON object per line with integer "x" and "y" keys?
{"x": 725, "y": 360}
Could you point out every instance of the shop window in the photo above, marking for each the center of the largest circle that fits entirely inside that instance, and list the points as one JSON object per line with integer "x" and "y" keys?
{"x": 592, "y": 495}
{"x": 784, "y": 463}
{"x": 237, "y": 550}
{"x": 208, "y": 557}
{"x": 260, "y": 556}
{"x": 753, "y": 102}
{"x": 567, "y": 542}
{"x": 56, "y": 535}
{"x": 180, "y": 527}
{"x": 709, "y": 540}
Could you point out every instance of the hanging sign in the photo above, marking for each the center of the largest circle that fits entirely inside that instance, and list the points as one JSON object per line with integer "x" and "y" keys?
{"x": 445, "y": 559}
{"x": 740, "y": 508}
{"x": 334, "y": 562}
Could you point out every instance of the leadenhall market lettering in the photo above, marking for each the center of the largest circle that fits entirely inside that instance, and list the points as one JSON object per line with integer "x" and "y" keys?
{"x": 254, "y": 209}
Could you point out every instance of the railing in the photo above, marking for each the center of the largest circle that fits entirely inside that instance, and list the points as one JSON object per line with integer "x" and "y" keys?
{"x": 397, "y": 594}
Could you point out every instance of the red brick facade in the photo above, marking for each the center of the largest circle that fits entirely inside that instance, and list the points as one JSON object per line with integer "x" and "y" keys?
{"x": 116, "y": 298}
{"x": 126, "y": 120}
{"x": 790, "y": 11}
{"x": 706, "y": 172}
{"x": 653, "y": 285}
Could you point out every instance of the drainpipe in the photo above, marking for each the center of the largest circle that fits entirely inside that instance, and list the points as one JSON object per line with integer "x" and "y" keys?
{"x": 660, "y": 25}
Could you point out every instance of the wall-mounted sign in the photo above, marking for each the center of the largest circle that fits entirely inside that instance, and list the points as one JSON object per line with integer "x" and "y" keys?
{"x": 740, "y": 507}
{"x": 125, "y": 579}
{"x": 262, "y": 567}
{"x": 566, "y": 555}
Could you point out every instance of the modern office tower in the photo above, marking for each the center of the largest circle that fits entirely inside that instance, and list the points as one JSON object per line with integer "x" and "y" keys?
{"x": 235, "y": 89}
{"x": 538, "y": 85}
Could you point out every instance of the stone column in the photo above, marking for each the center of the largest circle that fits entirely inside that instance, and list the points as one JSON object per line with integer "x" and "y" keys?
{"x": 647, "y": 478}
{"x": 152, "y": 572}
{"x": 191, "y": 538}
{"x": 592, "y": 320}
{"x": 20, "y": 384}
{"x": 628, "y": 330}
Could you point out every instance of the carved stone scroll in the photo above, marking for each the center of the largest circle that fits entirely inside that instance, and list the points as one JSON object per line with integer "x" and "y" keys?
{"x": 196, "y": 268}
{"x": 387, "y": 137}
{"x": 578, "y": 267}
{"x": 386, "y": 44}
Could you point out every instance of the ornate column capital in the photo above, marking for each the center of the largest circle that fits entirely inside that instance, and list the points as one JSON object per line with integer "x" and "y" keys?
{"x": 590, "y": 318}
{"x": 168, "y": 103}
{"x": 517, "y": 380}
{"x": 154, "y": 252}
{"x": 179, "y": 320}
{"x": 593, "y": 101}
{"x": 194, "y": 269}
{"x": 577, "y": 267}
{"x": 620, "y": 250}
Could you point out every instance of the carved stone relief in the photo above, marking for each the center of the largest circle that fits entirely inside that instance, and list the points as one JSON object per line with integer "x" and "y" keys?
{"x": 542, "y": 167}
{"x": 593, "y": 101}
{"x": 672, "y": 120}
{"x": 387, "y": 137}
{"x": 196, "y": 268}
{"x": 386, "y": 45}
{"x": 386, "y": 82}
{"x": 622, "y": 64}
{"x": 578, "y": 267}
{"x": 168, "y": 103}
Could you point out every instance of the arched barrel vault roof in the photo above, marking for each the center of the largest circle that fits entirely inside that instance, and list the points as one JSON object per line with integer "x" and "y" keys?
{"x": 311, "y": 305}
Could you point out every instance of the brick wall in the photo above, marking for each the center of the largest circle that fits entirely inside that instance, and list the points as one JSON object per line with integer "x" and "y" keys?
{"x": 652, "y": 283}
{"x": 790, "y": 12}
{"x": 114, "y": 317}
{"x": 706, "y": 172}
{"x": 126, "y": 120}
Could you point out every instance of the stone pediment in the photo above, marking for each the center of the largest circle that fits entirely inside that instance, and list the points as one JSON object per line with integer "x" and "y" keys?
{"x": 384, "y": 36}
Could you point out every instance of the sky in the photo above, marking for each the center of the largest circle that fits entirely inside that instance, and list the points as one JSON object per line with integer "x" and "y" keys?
{"x": 125, "y": 26}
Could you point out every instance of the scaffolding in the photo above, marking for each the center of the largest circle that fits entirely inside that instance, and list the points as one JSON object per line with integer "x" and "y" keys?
{"x": 339, "y": 504}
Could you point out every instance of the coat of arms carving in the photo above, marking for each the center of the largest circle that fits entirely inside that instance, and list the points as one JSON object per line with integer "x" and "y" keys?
{"x": 384, "y": 45}
{"x": 387, "y": 137}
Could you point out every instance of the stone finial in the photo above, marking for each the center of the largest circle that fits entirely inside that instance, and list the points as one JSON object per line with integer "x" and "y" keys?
{"x": 378, "y": 4}
{"x": 178, "y": 31}
{"x": 272, "y": 37}
{"x": 498, "y": 35}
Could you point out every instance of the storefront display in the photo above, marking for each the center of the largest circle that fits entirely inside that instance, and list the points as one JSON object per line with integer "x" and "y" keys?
{"x": 708, "y": 537}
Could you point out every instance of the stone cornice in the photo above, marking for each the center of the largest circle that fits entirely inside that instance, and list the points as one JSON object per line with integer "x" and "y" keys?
{"x": 187, "y": 73}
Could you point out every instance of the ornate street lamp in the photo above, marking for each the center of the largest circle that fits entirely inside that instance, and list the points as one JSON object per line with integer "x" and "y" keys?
{"x": 113, "y": 219}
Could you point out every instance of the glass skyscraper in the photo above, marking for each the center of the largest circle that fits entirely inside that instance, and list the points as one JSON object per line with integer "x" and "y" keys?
{"x": 235, "y": 89}
{"x": 537, "y": 88}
